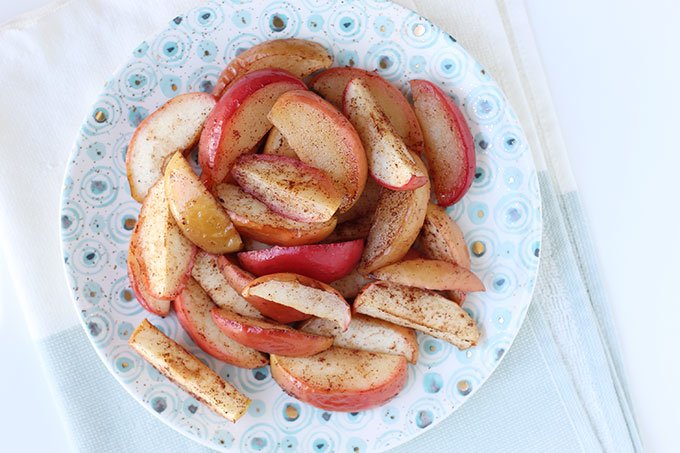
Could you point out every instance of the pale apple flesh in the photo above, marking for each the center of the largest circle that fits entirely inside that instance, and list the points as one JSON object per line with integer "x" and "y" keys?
{"x": 277, "y": 145}
{"x": 430, "y": 274}
{"x": 351, "y": 284}
{"x": 442, "y": 239}
{"x": 365, "y": 205}
{"x": 150, "y": 303}
{"x": 350, "y": 231}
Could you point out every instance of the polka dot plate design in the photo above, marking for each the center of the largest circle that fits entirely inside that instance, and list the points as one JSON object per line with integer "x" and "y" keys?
{"x": 500, "y": 217}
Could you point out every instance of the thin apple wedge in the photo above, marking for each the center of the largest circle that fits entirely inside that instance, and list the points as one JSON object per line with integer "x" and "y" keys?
{"x": 188, "y": 372}
{"x": 297, "y": 56}
{"x": 418, "y": 309}
{"x": 277, "y": 145}
{"x": 449, "y": 147}
{"x": 442, "y": 239}
{"x": 193, "y": 307}
{"x": 150, "y": 303}
{"x": 174, "y": 127}
{"x": 368, "y": 334}
{"x": 389, "y": 160}
{"x": 351, "y": 284}
{"x": 269, "y": 337}
{"x": 339, "y": 379}
{"x": 288, "y": 186}
{"x": 303, "y": 294}
{"x": 430, "y": 274}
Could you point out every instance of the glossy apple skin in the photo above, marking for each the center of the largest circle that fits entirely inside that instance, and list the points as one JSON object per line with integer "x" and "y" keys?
{"x": 269, "y": 337}
{"x": 449, "y": 146}
{"x": 323, "y": 262}
{"x": 239, "y": 120}
{"x": 239, "y": 279}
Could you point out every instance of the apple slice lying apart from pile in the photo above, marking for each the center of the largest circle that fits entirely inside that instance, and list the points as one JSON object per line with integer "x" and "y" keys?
{"x": 277, "y": 145}
{"x": 339, "y": 379}
{"x": 323, "y": 262}
{"x": 297, "y": 56}
{"x": 430, "y": 274}
{"x": 449, "y": 147}
{"x": 351, "y": 284}
{"x": 368, "y": 334}
{"x": 303, "y": 294}
{"x": 150, "y": 303}
{"x": 389, "y": 160}
{"x": 288, "y": 187}
{"x": 331, "y": 85}
{"x": 418, "y": 309}
{"x": 269, "y": 337}
{"x": 174, "y": 127}
{"x": 188, "y": 372}
{"x": 239, "y": 120}
{"x": 323, "y": 138}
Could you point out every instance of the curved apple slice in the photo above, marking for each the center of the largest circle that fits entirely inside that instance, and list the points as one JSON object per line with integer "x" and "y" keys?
{"x": 365, "y": 205}
{"x": 288, "y": 186}
{"x": 303, "y": 294}
{"x": 193, "y": 308}
{"x": 269, "y": 337}
{"x": 331, "y": 85}
{"x": 255, "y": 220}
{"x": 151, "y": 304}
{"x": 449, "y": 147}
{"x": 277, "y": 145}
{"x": 351, "y": 284}
{"x": 239, "y": 120}
{"x": 442, "y": 239}
{"x": 323, "y": 262}
{"x": 339, "y": 379}
{"x": 323, "y": 138}
{"x": 430, "y": 274}
{"x": 297, "y": 56}
{"x": 174, "y": 127}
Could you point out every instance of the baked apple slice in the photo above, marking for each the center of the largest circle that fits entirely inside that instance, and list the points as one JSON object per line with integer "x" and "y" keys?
{"x": 297, "y": 56}
{"x": 188, "y": 372}
{"x": 239, "y": 121}
{"x": 269, "y": 337}
{"x": 365, "y": 205}
{"x": 430, "y": 274}
{"x": 150, "y": 303}
{"x": 339, "y": 379}
{"x": 174, "y": 127}
{"x": 442, "y": 239}
{"x": 277, "y": 145}
{"x": 350, "y": 231}
{"x": 351, "y": 284}
{"x": 449, "y": 147}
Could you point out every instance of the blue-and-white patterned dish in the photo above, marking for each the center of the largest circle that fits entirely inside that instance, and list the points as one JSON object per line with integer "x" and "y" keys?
{"x": 500, "y": 214}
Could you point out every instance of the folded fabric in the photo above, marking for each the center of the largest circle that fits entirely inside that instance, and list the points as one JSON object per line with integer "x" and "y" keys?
{"x": 560, "y": 388}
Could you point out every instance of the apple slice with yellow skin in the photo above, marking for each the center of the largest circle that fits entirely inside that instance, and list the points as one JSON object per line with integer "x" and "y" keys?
{"x": 303, "y": 294}
{"x": 253, "y": 219}
{"x": 339, "y": 379}
{"x": 197, "y": 213}
{"x": 277, "y": 145}
{"x": 193, "y": 307}
{"x": 269, "y": 337}
{"x": 351, "y": 284}
{"x": 323, "y": 138}
{"x": 389, "y": 160}
{"x": 239, "y": 121}
{"x": 418, "y": 309}
{"x": 331, "y": 84}
{"x": 430, "y": 274}
{"x": 151, "y": 304}
{"x": 297, "y": 56}
{"x": 288, "y": 187}
{"x": 174, "y": 127}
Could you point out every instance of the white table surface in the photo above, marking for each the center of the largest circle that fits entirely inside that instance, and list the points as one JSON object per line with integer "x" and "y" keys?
{"x": 613, "y": 69}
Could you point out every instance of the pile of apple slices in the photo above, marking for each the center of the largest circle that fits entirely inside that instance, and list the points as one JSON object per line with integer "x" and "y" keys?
{"x": 308, "y": 242}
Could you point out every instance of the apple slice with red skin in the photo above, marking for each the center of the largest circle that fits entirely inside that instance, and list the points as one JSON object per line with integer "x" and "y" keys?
{"x": 239, "y": 121}
{"x": 151, "y": 304}
{"x": 193, "y": 307}
{"x": 323, "y": 262}
{"x": 269, "y": 337}
{"x": 340, "y": 379}
{"x": 430, "y": 274}
{"x": 449, "y": 146}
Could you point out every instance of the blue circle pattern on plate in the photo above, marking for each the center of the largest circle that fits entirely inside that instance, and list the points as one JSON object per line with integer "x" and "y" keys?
{"x": 500, "y": 217}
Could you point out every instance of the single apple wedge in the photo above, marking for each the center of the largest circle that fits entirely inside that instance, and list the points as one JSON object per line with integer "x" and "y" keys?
{"x": 255, "y": 220}
{"x": 323, "y": 262}
{"x": 288, "y": 186}
{"x": 239, "y": 121}
{"x": 442, "y": 239}
{"x": 239, "y": 279}
{"x": 174, "y": 127}
{"x": 340, "y": 379}
{"x": 297, "y": 56}
{"x": 193, "y": 308}
{"x": 331, "y": 85}
{"x": 449, "y": 147}
{"x": 418, "y": 309}
{"x": 350, "y": 231}
{"x": 323, "y": 138}
{"x": 430, "y": 274}
{"x": 277, "y": 145}
{"x": 151, "y": 304}
{"x": 396, "y": 223}
{"x": 368, "y": 334}
{"x": 365, "y": 205}
{"x": 389, "y": 160}
{"x": 197, "y": 213}
{"x": 164, "y": 254}
{"x": 188, "y": 372}
{"x": 351, "y": 284}
{"x": 269, "y": 337}
{"x": 303, "y": 294}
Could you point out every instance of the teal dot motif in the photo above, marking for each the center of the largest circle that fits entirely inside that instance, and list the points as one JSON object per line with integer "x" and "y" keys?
{"x": 242, "y": 19}
{"x": 92, "y": 292}
{"x": 390, "y": 415}
{"x": 315, "y": 22}
{"x": 347, "y": 58}
{"x": 383, "y": 26}
{"x": 141, "y": 50}
{"x": 278, "y": 22}
{"x": 356, "y": 445}
{"x": 419, "y": 32}
{"x": 257, "y": 408}
{"x": 291, "y": 412}
{"x": 478, "y": 212}
{"x": 171, "y": 85}
{"x": 137, "y": 114}
{"x": 289, "y": 444}
{"x": 223, "y": 439}
{"x": 485, "y": 105}
{"x": 190, "y": 407}
{"x": 424, "y": 418}
{"x": 348, "y": 23}
{"x": 432, "y": 382}
{"x": 96, "y": 151}
{"x": 207, "y": 51}
{"x": 125, "y": 330}
{"x": 510, "y": 143}
{"x": 97, "y": 224}
{"x": 417, "y": 64}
